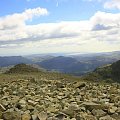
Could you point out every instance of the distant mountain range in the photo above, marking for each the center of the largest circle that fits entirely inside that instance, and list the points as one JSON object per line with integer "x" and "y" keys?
{"x": 76, "y": 64}
{"x": 13, "y": 60}
{"x": 39, "y": 57}
{"x": 79, "y": 64}
{"x": 65, "y": 65}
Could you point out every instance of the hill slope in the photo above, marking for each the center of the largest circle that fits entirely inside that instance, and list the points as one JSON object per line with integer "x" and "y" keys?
{"x": 108, "y": 72}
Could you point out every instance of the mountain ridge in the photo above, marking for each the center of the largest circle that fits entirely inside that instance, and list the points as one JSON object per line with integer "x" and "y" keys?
{"x": 70, "y": 64}
{"x": 79, "y": 65}
{"x": 13, "y": 60}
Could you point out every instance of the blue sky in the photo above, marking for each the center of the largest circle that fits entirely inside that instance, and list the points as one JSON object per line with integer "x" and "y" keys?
{"x": 60, "y": 10}
{"x": 42, "y": 26}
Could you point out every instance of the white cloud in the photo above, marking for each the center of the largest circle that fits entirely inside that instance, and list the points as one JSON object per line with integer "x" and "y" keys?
{"x": 110, "y": 4}
{"x": 106, "y": 19}
{"x": 19, "y": 19}
{"x": 100, "y": 33}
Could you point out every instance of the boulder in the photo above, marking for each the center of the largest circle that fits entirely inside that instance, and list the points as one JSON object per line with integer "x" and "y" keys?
{"x": 107, "y": 117}
{"x": 42, "y": 116}
{"x": 112, "y": 110}
{"x": 98, "y": 113}
{"x": 2, "y": 108}
{"x": 79, "y": 85}
{"x": 91, "y": 105}
{"x": 12, "y": 115}
{"x": 26, "y": 116}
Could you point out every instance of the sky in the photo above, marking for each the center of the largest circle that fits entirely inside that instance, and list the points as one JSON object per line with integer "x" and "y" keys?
{"x": 59, "y": 26}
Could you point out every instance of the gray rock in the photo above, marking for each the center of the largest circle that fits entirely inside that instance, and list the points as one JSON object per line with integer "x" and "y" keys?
{"x": 2, "y": 108}
{"x": 42, "y": 116}
{"x": 0, "y": 114}
{"x": 88, "y": 117}
{"x": 112, "y": 109}
{"x": 59, "y": 99}
{"x": 71, "y": 110}
{"x": 98, "y": 113}
{"x": 12, "y": 115}
{"x": 60, "y": 116}
{"x": 106, "y": 118}
{"x": 31, "y": 102}
{"x": 23, "y": 102}
{"x": 34, "y": 117}
{"x": 91, "y": 105}
{"x": 26, "y": 117}
{"x": 116, "y": 116}
{"x": 79, "y": 85}
{"x": 118, "y": 110}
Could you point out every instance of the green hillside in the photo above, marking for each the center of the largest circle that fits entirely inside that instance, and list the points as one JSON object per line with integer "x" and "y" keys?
{"x": 116, "y": 70}
{"x": 108, "y": 73}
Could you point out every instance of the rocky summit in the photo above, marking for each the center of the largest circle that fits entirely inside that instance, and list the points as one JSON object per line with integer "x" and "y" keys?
{"x": 28, "y": 99}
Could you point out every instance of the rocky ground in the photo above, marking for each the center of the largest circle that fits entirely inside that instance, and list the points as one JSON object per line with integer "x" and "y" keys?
{"x": 59, "y": 100}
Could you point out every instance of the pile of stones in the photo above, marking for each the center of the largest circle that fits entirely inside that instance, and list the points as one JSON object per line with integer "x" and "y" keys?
{"x": 59, "y": 100}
